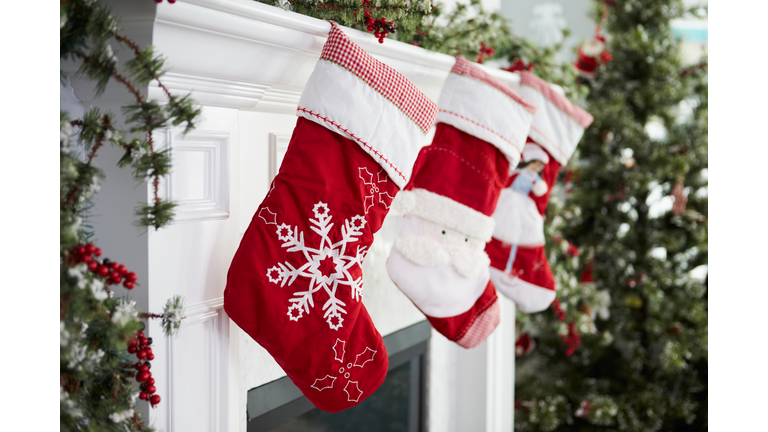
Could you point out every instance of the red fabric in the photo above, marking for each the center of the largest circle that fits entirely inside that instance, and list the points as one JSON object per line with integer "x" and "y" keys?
{"x": 530, "y": 263}
{"x": 327, "y": 185}
{"x": 462, "y": 167}
{"x": 456, "y": 327}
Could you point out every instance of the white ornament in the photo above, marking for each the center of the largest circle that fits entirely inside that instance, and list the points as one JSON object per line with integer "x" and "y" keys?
{"x": 327, "y": 267}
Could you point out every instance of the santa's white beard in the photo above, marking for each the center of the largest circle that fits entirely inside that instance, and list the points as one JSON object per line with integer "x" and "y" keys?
{"x": 426, "y": 252}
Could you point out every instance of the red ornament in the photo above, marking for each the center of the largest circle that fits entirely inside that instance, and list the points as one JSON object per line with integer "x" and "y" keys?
{"x": 143, "y": 396}
{"x": 93, "y": 265}
{"x": 85, "y": 258}
{"x": 142, "y": 376}
{"x": 134, "y": 342}
{"x": 103, "y": 270}
{"x": 122, "y": 269}
{"x": 113, "y": 265}
{"x": 140, "y": 335}
{"x": 150, "y": 356}
{"x": 129, "y": 284}
{"x": 151, "y": 389}
{"x": 591, "y": 55}
{"x": 80, "y": 250}
{"x": 132, "y": 349}
{"x": 97, "y": 252}
{"x": 141, "y": 354}
{"x": 144, "y": 341}
{"x": 131, "y": 277}
{"x": 143, "y": 368}
{"x": 90, "y": 248}
{"x": 151, "y": 381}
{"x": 155, "y": 398}
{"x": 115, "y": 277}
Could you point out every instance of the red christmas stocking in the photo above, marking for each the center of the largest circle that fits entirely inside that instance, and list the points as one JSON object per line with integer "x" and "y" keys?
{"x": 519, "y": 266}
{"x": 295, "y": 283}
{"x": 438, "y": 259}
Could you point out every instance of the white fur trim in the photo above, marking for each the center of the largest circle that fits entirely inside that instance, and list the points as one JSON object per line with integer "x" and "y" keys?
{"x": 534, "y": 152}
{"x": 332, "y": 98}
{"x": 422, "y": 251}
{"x": 518, "y": 220}
{"x": 470, "y": 263}
{"x": 481, "y": 110}
{"x": 439, "y": 292}
{"x": 552, "y": 128}
{"x": 540, "y": 188}
{"x": 449, "y": 213}
{"x": 403, "y": 203}
{"x": 528, "y": 297}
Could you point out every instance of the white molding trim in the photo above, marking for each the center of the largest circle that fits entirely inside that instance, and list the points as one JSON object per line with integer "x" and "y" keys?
{"x": 208, "y": 314}
{"x": 278, "y": 145}
{"x": 500, "y": 382}
{"x": 213, "y": 147}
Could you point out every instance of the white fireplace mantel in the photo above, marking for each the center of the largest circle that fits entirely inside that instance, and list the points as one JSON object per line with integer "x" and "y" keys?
{"x": 248, "y": 55}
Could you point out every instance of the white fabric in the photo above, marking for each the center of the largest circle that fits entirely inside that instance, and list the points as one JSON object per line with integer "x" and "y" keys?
{"x": 429, "y": 245}
{"x": 485, "y": 112}
{"x": 553, "y": 129}
{"x": 518, "y": 220}
{"x": 540, "y": 188}
{"x": 534, "y": 152}
{"x": 360, "y": 113}
{"x": 438, "y": 291}
{"x": 445, "y": 211}
{"x": 528, "y": 297}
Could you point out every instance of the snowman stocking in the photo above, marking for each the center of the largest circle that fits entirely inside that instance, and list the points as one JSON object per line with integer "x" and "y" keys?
{"x": 438, "y": 259}
{"x": 519, "y": 266}
{"x": 295, "y": 283}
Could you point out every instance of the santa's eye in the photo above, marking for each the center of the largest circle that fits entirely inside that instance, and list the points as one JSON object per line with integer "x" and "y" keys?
{"x": 443, "y": 231}
{"x": 466, "y": 240}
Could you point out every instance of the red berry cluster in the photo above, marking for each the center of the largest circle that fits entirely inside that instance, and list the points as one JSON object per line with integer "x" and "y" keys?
{"x": 140, "y": 346}
{"x": 572, "y": 340}
{"x": 558, "y": 310}
{"x": 380, "y": 27}
{"x": 113, "y": 271}
{"x": 485, "y": 50}
{"x": 169, "y": 1}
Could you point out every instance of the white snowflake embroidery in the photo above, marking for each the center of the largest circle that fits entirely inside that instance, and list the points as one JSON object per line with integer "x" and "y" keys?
{"x": 327, "y": 267}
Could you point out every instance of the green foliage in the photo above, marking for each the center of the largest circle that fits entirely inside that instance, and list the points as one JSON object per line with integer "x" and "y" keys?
{"x": 97, "y": 374}
{"x": 406, "y": 14}
{"x": 643, "y": 363}
{"x": 457, "y": 31}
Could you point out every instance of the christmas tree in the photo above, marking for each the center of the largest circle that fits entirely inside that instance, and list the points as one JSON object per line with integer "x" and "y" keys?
{"x": 624, "y": 348}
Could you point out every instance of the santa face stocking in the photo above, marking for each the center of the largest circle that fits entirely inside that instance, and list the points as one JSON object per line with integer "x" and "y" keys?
{"x": 438, "y": 259}
{"x": 295, "y": 283}
{"x": 519, "y": 266}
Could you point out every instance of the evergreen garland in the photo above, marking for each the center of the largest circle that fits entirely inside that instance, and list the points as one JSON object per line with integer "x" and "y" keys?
{"x": 100, "y": 333}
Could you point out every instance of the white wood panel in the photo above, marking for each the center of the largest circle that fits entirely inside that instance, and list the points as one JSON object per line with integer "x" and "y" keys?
{"x": 199, "y": 179}
{"x": 191, "y": 259}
